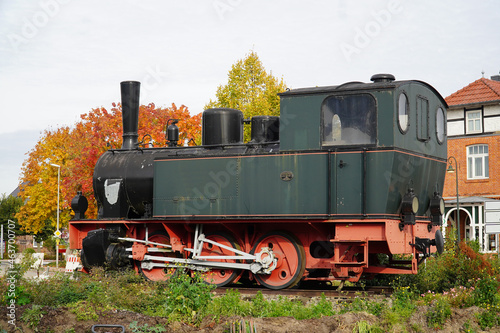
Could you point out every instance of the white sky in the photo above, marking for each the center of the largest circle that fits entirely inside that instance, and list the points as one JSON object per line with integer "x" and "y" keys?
{"x": 61, "y": 58}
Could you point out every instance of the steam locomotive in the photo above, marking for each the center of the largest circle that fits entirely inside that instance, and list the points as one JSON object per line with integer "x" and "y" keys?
{"x": 346, "y": 174}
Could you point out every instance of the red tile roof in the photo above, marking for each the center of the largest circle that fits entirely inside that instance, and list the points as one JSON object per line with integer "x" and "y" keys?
{"x": 479, "y": 91}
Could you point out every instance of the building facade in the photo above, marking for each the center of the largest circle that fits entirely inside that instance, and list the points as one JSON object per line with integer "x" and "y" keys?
{"x": 473, "y": 121}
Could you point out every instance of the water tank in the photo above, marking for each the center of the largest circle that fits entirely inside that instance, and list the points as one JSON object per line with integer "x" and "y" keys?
{"x": 222, "y": 126}
{"x": 265, "y": 129}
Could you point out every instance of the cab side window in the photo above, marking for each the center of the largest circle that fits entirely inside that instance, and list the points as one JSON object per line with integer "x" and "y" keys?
{"x": 349, "y": 120}
{"x": 422, "y": 119}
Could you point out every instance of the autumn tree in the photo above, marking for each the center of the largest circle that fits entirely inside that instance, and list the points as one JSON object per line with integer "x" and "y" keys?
{"x": 39, "y": 181}
{"x": 77, "y": 150}
{"x": 100, "y": 130}
{"x": 250, "y": 89}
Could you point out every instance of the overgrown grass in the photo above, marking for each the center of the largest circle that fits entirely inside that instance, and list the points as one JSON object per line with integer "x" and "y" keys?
{"x": 231, "y": 304}
{"x": 460, "y": 278}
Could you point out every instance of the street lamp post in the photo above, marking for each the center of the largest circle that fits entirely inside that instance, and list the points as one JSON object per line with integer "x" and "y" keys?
{"x": 451, "y": 170}
{"x": 57, "y": 231}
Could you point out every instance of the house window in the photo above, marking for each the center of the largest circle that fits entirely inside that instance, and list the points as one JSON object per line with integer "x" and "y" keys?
{"x": 477, "y": 162}
{"x": 473, "y": 122}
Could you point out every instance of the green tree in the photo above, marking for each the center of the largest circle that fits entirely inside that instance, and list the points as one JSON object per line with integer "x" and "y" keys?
{"x": 9, "y": 206}
{"x": 250, "y": 89}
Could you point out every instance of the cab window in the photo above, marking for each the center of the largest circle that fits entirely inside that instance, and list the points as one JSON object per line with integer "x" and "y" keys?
{"x": 349, "y": 120}
{"x": 422, "y": 119}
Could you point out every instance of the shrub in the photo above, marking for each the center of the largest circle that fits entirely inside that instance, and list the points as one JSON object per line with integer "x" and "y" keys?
{"x": 29, "y": 251}
{"x": 457, "y": 267}
{"x": 486, "y": 291}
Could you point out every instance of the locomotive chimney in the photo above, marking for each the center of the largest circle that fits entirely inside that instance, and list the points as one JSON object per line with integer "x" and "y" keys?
{"x": 130, "y": 113}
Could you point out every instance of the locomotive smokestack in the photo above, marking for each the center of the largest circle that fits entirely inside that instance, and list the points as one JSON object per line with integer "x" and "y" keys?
{"x": 130, "y": 113}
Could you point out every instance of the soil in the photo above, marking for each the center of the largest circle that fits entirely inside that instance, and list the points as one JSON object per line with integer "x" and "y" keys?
{"x": 61, "y": 320}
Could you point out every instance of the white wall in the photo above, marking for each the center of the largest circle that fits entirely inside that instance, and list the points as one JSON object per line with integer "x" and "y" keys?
{"x": 456, "y": 121}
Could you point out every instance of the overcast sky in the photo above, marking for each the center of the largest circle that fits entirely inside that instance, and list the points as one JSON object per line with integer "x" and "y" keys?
{"x": 61, "y": 58}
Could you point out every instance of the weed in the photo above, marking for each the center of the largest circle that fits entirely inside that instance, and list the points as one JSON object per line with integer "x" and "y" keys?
{"x": 486, "y": 291}
{"x": 69, "y": 292}
{"x": 360, "y": 304}
{"x": 136, "y": 328}
{"x": 361, "y": 327}
{"x": 488, "y": 319}
{"x": 467, "y": 328}
{"x": 230, "y": 304}
{"x": 416, "y": 328}
{"x": 364, "y": 327}
{"x": 323, "y": 308}
{"x": 259, "y": 305}
{"x": 438, "y": 313}
{"x": 33, "y": 316}
{"x": 187, "y": 295}
{"x": 402, "y": 302}
{"x": 403, "y": 306}
{"x": 84, "y": 311}
{"x": 19, "y": 294}
{"x": 244, "y": 326}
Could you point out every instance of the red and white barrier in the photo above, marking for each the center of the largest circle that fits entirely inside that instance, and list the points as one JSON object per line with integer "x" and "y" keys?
{"x": 72, "y": 263}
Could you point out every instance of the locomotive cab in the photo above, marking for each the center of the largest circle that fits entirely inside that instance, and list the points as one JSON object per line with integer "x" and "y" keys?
{"x": 383, "y": 139}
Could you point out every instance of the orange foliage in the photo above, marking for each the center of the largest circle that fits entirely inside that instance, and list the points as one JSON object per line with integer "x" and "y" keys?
{"x": 77, "y": 151}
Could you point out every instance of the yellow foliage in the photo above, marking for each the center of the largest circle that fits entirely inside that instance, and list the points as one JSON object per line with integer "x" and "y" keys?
{"x": 250, "y": 89}
{"x": 39, "y": 183}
